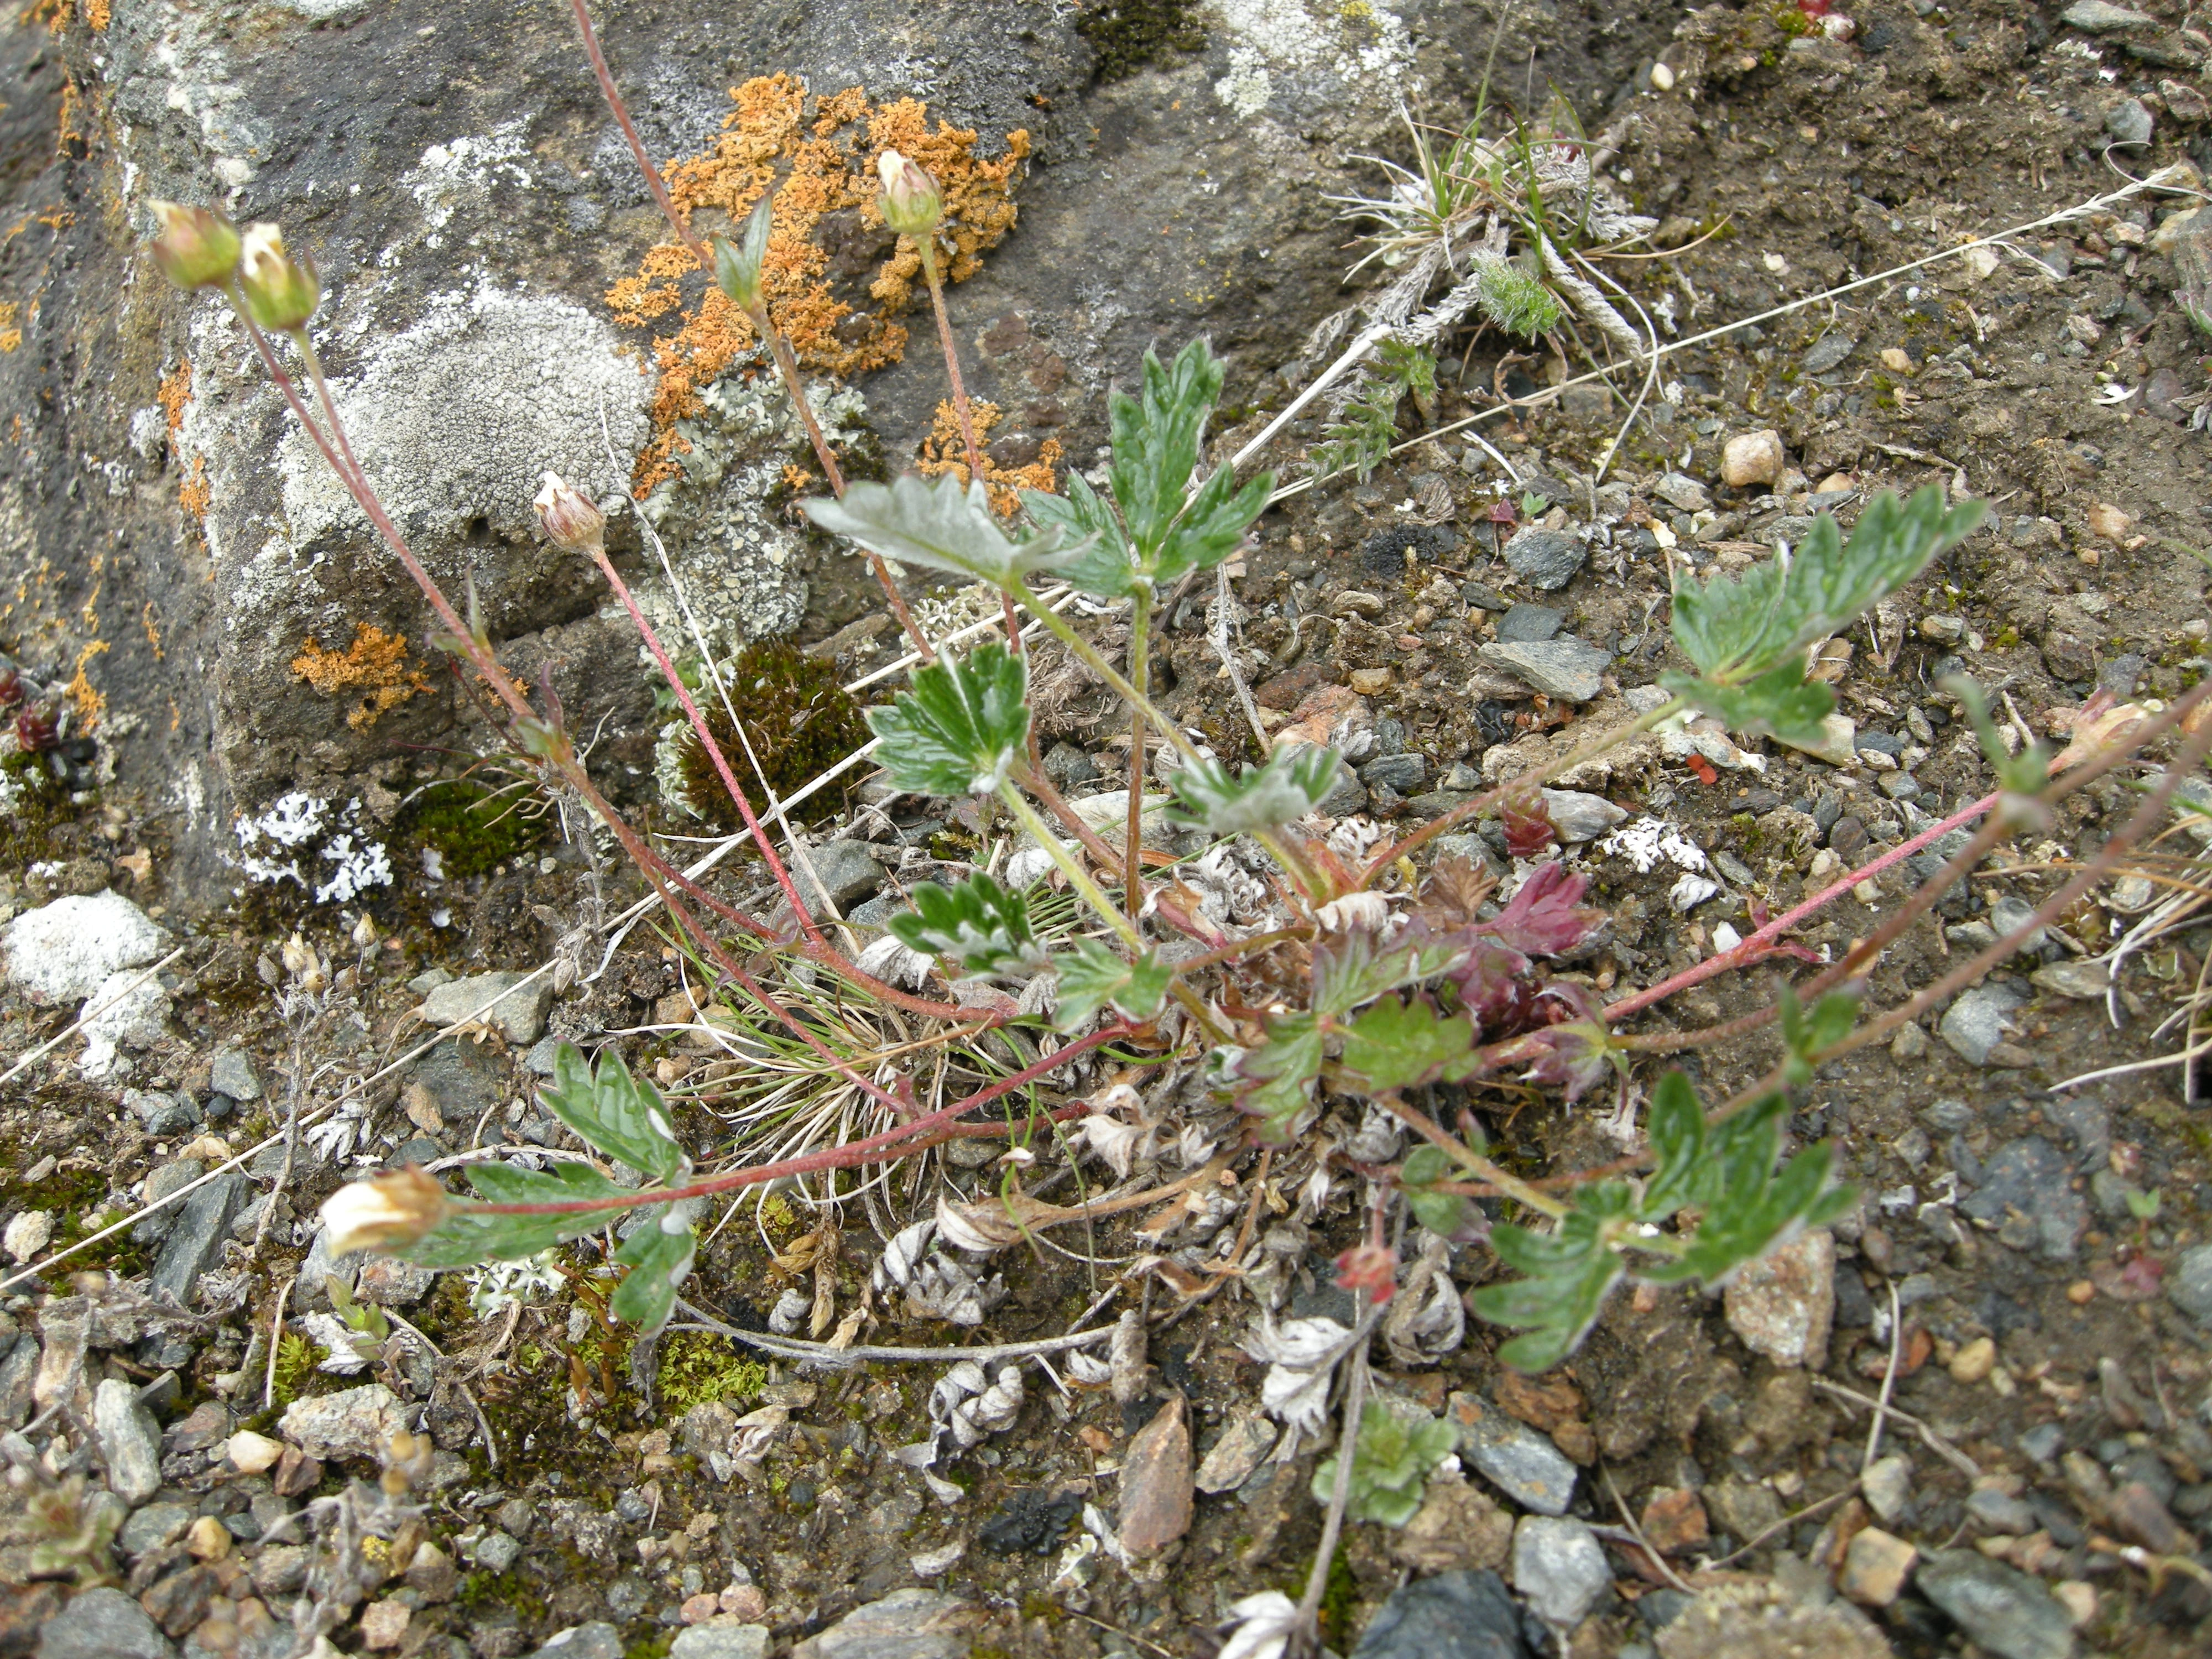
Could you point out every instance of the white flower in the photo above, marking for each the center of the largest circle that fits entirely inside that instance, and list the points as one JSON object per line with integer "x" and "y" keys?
{"x": 396, "y": 1208}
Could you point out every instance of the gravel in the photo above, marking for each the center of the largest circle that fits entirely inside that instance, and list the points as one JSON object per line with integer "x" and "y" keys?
{"x": 103, "y": 1624}
{"x": 723, "y": 1638}
{"x": 231, "y": 1073}
{"x": 351, "y": 1423}
{"x": 1453, "y": 1615}
{"x": 1567, "y": 667}
{"x": 518, "y": 1012}
{"x": 1976, "y": 1023}
{"x": 1559, "y": 1567}
{"x": 1526, "y": 625}
{"x": 202, "y": 1223}
{"x": 1784, "y": 1305}
{"x": 2026, "y": 1194}
{"x": 62, "y": 952}
{"x": 597, "y": 1640}
{"x": 1514, "y": 1458}
{"x": 2000, "y": 1609}
{"x": 129, "y": 1442}
{"x": 2188, "y": 1283}
{"x": 1545, "y": 558}
{"x": 908, "y": 1624}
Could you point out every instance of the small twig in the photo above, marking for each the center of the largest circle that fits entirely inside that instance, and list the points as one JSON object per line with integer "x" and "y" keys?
{"x": 822, "y": 1353}
{"x": 484, "y": 1424}
{"x": 276, "y": 1337}
{"x": 1934, "y": 1441}
{"x": 1217, "y": 637}
{"x": 1785, "y": 1522}
{"x": 1636, "y": 1533}
{"x": 86, "y": 1018}
{"x": 1340, "y": 1497}
{"x": 1888, "y": 1381}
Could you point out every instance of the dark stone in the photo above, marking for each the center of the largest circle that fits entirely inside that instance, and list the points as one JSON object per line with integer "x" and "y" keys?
{"x": 1454, "y": 1615}
{"x": 103, "y": 1624}
{"x": 1854, "y": 1303}
{"x": 465, "y": 1077}
{"x": 2119, "y": 676}
{"x": 1403, "y": 773}
{"x": 1546, "y": 558}
{"x": 1826, "y": 809}
{"x": 1999, "y": 1607}
{"x": 1526, "y": 624}
{"x": 1483, "y": 597}
{"x": 181, "y": 1601}
{"x": 597, "y": 1640}
{"x": 1384, "y": 552}
{"x": 1067, "y": 766}
{"x": 202, "y": 1225}
{"x": 2028, "y": 1196}
{"x": 23, "y": 1609}
{"x": 1030, "y": 1522}
{"x": 1848, "y": 839}
{"x": 1882, "y": 743}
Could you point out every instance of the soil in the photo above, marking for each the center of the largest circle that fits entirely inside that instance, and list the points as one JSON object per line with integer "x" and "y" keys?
{"x": 2060, "y": 383}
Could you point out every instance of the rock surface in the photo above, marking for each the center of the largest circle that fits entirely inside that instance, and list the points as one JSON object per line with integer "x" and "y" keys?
{"x": 911, "y": 1624}
{"x": 1521, "y": 1462}
{"x": 516, "y": 1010}
{"x": 1758, "y": 1620}
{"x": 1566, "y": 667}
{"x": 1783, "y": 1304}
{"x": 1999, "y": 1607}
{"x": 103, "y": 1624}
{"x": 1978, "y": 1022}
{"x": 1545, "y": 558}
{"x": 351, "y": 1423}
{"x": 1559, "y": 1568}
{"x": 129, "y": 1442}
{"x": 1453, "y": 1615}
{"x": 61, "y": 953}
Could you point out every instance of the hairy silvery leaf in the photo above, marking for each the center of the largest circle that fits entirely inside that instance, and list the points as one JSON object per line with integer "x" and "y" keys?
{"x": 467, "y": 1236}
{"x": 613, "y": 1112}
{"x": 940, "y": 525}
{"x": 1092, "y": 974}
{"x": 1301, "y": 1355}
{"x": 1781, "y": 702}
{"x": 658, "y": 1257}
{"x": 1738, "y": 627}
{"x": 963, "y": 727}
{"x": 978, "y": 923}
{"x": 1106, "y": 567}
{"x": 1290, "y": 786}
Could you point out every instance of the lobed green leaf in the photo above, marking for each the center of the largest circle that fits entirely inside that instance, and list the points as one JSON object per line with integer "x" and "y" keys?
{"x": 468, "y": 1238}
{"x": 1565, "y": 1277}
{"x": 659, "y": 1257}
{"x": 613, "y": 1113}
{"x": 1156, "y": 441}
{"x": 1394, "y": 1045}
{"x": 962, "y": 727}
{"x": 939, "y": 525}
{"x": 1273, "y": 1079}
{"x": 1094, "y": 975}
{"x": 984, "y": 927}
{"x": 1781, "y": 702}
{"x": 1292, "y": 784}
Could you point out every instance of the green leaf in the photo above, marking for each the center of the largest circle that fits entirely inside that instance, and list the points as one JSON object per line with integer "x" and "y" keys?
{"x": 1213, "y": 526}
{"x": 1396, "y": 1045}
{"x": 1156, "y": 443}
{"x": 1106, "y": 567}
{"x": 1806, "y": 1035}
{"x": 1566, "y": 1276}
{"x": 613, "y": 1112}
{"x": 468, "y": 1238}
{"x": 1095, "y": 975}
{"x": 1397, "y": 1449}
{"x": 938, "y": 524}
{"x": 1781, "y": 702}
{"x": 963, "y": 727}
{"x": 1290, "y": 785}
{"x": 1358, "y": 965}
{"x": 2024, "y": 773}
{"x": 1273, "y": 1079}
{"x": 1514, "y": 300}
{"x": 1736, "y": 628}
{"x": 979, "y": 924}
{"x": 658, "y": 1257}
{"x": 1359, "y": 440}
{"x": 1423, "y": 1169}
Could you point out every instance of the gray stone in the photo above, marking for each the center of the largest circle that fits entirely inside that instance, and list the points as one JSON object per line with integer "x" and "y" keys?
{"x": 597, "y": 1640}
{"x": 1242, "y": 1446}
{"x": 159, "y": 1111}
{"x": 1453, "y": 1615}
{"x": 2129, "y": 124}
{"x": 1998, "y": 1607}
{"x": 1680, "y": 491}
{"x": 1567, "y": 667}
{"x": 1559, "y": 1568}
{"x": 540, "y": 1058}
{"x": 1349, "y": 796}
{"x": 908, "y": 1624}
{"x": 1545, "y": 558}
{"x": 1827, "y": 351}
{"x": 517, "y": 1010}
{"x": 1068, "y": 766}
{"x": 103, "y": 1624}
{"x": 320, "y": 1267}
{"x": 170, "y": 1178}
{"x": 2188, "y": 1283}
{"x": 846, "y": 870}
{"x": 1474, "y": 849}
{"x": 352, "y": 1422}
{"x": 154, "y": 1528}
{"x": 2026, "y": 1194}
{"x": 19, "y": 1370}
{"x": 1514, "y": 1458}
{"x": 1579, "y": 816}
{"x": 1783, "y": 1304}
{"x": 1403, "y": 773}
{"x": 496, "y": 1551}
{"x": 2001, "y": 1512}
{"x": 2083, "y": 981}
{"x": 232, "y": 1072}
{"x": 1887, "y": 1486}
{"x": 202, "y": 1223}
{"x": 2099, "y": 17}
{"x": 63, "y": 953}
{"x": 1977, "y": 1022}
{"x": 1524, "y": 624}
{"x": 390, "y": 1283}
{"x": 720, "y": 1640}
{"x": 129, "y": 1442}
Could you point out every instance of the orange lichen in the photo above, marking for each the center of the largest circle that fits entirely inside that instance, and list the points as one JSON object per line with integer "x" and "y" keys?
{"x": 797, "y": 478}
{"x": 193, "y": 493}
{"x": 944, "y": 451}
{"x": 11, "y": 336}
{"x": 175, "y": 393}
{"x": 54, "y": 13}
{"x": 815, "y": 167}
{"x": 90, "y": 705}
{"x": 375, "y": 665}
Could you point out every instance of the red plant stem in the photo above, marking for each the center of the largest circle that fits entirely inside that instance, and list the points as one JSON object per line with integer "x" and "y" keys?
{"x": 653, "y": 181}
{"x": 1749, "y": 949}
{"x": 961, "y": 411}
{"x": 645, "y": 629}
{"x": 888, "y": 1141}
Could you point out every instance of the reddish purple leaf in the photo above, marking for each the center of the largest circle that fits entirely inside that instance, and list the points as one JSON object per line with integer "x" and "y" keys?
{"x": 1529, "y": 826}
{"x": 1543, "y": 920}
{"x": 1497, "y": 990}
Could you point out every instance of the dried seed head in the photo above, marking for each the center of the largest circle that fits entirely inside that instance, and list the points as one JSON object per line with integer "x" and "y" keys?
{"x": 737, "y": 265}
{"x": 392, "y": 1210}
{"x": 197, "y": 247}
{"x": 280, "y": 289}
{"x": 572, "y": 523}
{"x": 912, "y": 203}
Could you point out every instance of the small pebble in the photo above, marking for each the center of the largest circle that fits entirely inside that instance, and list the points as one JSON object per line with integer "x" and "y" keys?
{"x": 254, "y": 1454}
{"x": 1973, "y": 1363}
{"x": 2080, "y": 1600}
{"x": 208, "y": 1539}
{"x": 2080, "y": 1292}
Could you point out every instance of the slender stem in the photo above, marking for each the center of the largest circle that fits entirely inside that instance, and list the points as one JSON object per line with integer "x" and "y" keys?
{"x": 1032, "y": 778}
{"x": 1464, "y": 1155}
{"x": 1140, "y": 628}
{"x": 1089, "y": 655}
{"x": 960, "y": 410}
{"x": 1070, "y": 865}
{"x": 800, "y": 908}
{"x": 1347, "y": 1451}
{"x": 614, "y": 98}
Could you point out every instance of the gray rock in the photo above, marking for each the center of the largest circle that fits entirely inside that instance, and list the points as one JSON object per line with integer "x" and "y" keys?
{"x": 202, "y": 1223}
{"x": 103, "y": 1624}
{"x": 497, "y": 1551}
{"x": 352, "y": 1422}
{"x": 1783, "y": 1304}
{"x": 908, "y": 1624}
{"x": 2099, "y": 17}
{"x": 154, "y": 1528}
{"x": 2026, "y": 1194}
{"x": 1403, "y": 773}
{"x": 129, "y": 1442}
{"x": 1888, "y": 1484}
{"x": 1453, "y": 1615}
{"x": 1579, "y": 816}
{"x": 1559, "y": 1568}
{"x": 1977, "y": 1022}
{"x": 1068, "y": 766}
{"x": 391, "y": 1283}
{"x": 1545, "y": 558}
{"x": 2188, "y": 1283}
{"x": 540, "y": 1058}
{"x": 2129, "y": 124}
{"x": 1514, "y": 1458}
{"x": 320, "y": 1267}
{"x": 62, "y": 952}
{"x": 1567, "y": 667}
{"x": 1524, "y": 624}
{"x": 2001, "y": 1512}
{"x": 170, "y": 1178}
{"x": 1349, "y": 796}
{"x": 846, "y": 870}
{"x": 1999, "y": 1607}
{"x": 232, "y": 1072}
{"x": 19, "y": 1369}
{"x": 597, "y": 1640}
{"x": 2084, "y": 981}
{"x": 1826, "y": 352}
{"x": 1475, "y": 849}
{"x": 159, "y": 1111}
{"x": 718, "y": 1640}
{"x": 518, "y": 1010}
{"x": 1680, "y": 491}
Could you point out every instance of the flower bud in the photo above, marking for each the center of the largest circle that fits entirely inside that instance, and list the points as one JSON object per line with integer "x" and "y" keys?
{"x": 387, "y": 1212}
{"x": 281, "y": 291}
{"x": 197, "y": 247}
{"x": 912, "y": 205}
{"x": 572, "y": 523}
{"x": 737, "y": 265}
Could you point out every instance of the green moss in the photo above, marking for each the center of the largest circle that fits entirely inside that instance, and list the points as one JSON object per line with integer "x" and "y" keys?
{"x": 697, "y": 1368}
{"x": 296, "y": 1359}
{"x": 471, "y": 826}
{"x": 1130, "y": 34}
{"x": 42, "y": 806}
{"x": 798, "y": 720}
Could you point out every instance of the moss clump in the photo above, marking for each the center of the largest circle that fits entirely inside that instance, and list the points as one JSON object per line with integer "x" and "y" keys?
{"x": 296, "y": 1359}
{"x": 799, "y": 719}
{"x": 1129, "y": 35}
{"x": 697, "y": 1369}
{"x": 471, "y": 826}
